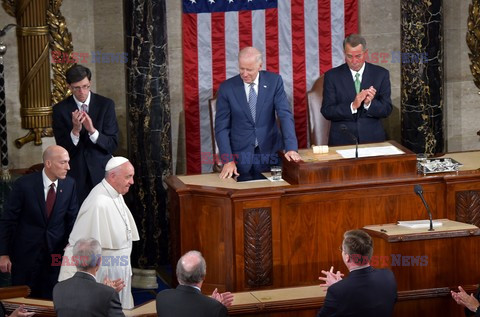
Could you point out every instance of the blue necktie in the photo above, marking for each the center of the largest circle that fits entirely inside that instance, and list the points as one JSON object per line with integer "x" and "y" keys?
{"x": 252, "y": 101}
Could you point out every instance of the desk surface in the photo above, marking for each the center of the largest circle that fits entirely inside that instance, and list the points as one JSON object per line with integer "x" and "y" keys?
{"x": 253, "y": 300}
{"x": 470, "y": 161}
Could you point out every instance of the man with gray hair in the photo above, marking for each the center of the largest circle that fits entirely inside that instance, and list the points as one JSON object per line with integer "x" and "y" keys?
{"x": 356, "y": 96}
{"x": 105, "y": 217}
{"x": 187, "y": 299}
{"x": 366, "y": 291}
{"x": 81, "y": 295}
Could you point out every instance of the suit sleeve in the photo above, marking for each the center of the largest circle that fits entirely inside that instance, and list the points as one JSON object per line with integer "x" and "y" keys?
{"x": 10, "y": 217}
{"x": 108, "y": 132}
{"x": 381, "y": 105}
{"x": 330, "y": 304}
{"x": 332, "y": 109}
{"x": 115, "y": 309}
{"x": 282, "y": 107}
{"x": 62, "y": 127}
{"x": 223, "y": 125}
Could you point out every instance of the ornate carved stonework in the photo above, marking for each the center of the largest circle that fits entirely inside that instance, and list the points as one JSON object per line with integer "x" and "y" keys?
{"x": 467, "y": 207}
{"x": 258, "y": 247}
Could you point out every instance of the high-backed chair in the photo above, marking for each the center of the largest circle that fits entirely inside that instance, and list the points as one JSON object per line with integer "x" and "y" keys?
{"x": 216, "y": 163}
{"x": 318, "y": 126}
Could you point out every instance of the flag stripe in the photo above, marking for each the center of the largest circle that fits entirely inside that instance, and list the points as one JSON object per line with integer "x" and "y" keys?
{"x": 299, "y": 72}
{"x": 218, "y": 50}
{"x": 245, "y": 28}
{"x": 190, "y": 92}
{"x": 324, "y": 36}
{"x": 298, "y": 39}
{"x": 271, "y": 40}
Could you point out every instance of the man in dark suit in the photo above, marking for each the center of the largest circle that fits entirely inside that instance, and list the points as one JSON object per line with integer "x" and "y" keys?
{"x": 356, "y": 96}
{"x": 246, "y": 128}
{"x": 366, "y": 291}
{"x": 81, "y": 295}
{"x": 86, "y": 125}
{"x": 38, "y": 217}
{"x": 187, "y": 299}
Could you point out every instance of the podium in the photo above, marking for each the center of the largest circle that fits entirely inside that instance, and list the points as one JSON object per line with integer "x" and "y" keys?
{"x": 427, "y": 264}
{"x": 331, "y": 167}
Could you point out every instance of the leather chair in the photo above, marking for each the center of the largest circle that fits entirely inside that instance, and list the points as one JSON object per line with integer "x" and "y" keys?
{"x": 217, "y": 163}
{"x": 318, "y": 126}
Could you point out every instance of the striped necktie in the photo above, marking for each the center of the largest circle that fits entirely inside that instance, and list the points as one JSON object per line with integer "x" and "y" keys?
{"x": 252, "y": 101}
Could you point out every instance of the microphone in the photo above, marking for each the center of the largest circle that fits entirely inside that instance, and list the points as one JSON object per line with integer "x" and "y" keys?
{"x": 419, "y": 191}
{"x": 352, "y": 136}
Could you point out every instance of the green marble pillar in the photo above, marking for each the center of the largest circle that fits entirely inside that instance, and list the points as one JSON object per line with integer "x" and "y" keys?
{"x": 149, "y": 127}
{"x": 422, "y": 76}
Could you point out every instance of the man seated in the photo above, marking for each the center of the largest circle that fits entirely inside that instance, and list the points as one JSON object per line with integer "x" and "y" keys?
{"x": 366, "y": 291}
{"x": 187, "y": 299}
{"x": 81, "y": 295}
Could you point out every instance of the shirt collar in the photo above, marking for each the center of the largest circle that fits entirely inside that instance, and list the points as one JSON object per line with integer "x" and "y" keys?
{"x": 359, "y": 267}
{"x": 87, "y": 101}
{"x": 360, "y": 71}
{"x": 47, "y": 181}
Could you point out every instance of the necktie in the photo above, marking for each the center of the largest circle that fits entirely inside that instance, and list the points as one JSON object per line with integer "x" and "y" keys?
{"x": 252, "y": 101}
{"x": 357, "y": 82}
{"x": 252, "y": 104}
{"x": 84, "y": 108}
{"x": 51, "y": 195}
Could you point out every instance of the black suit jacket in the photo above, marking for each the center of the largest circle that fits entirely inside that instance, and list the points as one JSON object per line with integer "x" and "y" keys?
{"x": 365, "y": 292}
{"x": 87, "y": 160}
{"x": 187, "y": 301}
{"x": 338, "y": 94}
{"x": 27, "y": 236}
{"x": 82, "y": 296}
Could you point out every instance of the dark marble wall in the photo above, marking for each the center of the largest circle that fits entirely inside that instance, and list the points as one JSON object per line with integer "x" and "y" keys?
{"x": 149, "y": 131}
{"x": 422, "y": 76}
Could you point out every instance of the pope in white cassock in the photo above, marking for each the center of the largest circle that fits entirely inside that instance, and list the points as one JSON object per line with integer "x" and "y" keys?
{"x": 105, "y": 217}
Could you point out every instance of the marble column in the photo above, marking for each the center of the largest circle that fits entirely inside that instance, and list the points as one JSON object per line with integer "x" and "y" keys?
{"x": 149, "y": 130}
{"x": 422, "y": 76}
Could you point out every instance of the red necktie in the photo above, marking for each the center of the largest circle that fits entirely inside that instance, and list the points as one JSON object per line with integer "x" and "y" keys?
{"x": 51, "y": 195}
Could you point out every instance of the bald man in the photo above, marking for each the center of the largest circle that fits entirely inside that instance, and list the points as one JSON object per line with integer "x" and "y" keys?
{"x": 105, "y": 217}
{"x": 246, "y": 129}
{"x": 187, "y": 299}
{"x": 38, "y": 217}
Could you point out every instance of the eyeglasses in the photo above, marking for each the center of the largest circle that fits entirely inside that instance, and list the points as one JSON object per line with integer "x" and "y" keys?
{"x": 80, "y": 88}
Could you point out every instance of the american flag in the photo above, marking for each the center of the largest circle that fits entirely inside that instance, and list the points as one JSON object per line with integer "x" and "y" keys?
{"x": 300, "y": 39}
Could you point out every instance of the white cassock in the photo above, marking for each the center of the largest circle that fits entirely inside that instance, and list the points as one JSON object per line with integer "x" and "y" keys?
{"x": 105, "y": 217}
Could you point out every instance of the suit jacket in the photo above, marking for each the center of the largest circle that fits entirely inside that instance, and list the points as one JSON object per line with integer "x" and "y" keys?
{"x": 338, "y": 94}
{"x": 87, "y": 160}
{"x": 235, "y": 129}
{"x": 365, "y": 292}
{"x": 187, "y": 301}
{"x": 82, "y": 296}
{"x": 26, "y": 235}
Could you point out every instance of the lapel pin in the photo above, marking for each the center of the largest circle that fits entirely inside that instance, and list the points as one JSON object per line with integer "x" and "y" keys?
{"x": 264, "y": 86}
{"x": 61, "y": 190}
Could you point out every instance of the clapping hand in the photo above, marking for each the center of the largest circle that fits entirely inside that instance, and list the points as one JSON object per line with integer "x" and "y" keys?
{"x": 225, "y": 298}
{"x": 330, "y": 277}
{"x": 117, "y": 284}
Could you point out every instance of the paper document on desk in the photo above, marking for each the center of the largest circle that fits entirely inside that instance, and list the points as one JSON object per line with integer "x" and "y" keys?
{"x": 419, "y": 224}
{"x": 371, "y": 151}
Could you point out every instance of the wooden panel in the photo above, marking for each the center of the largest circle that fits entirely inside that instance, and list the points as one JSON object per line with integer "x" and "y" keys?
{"x": 337, "y": 170}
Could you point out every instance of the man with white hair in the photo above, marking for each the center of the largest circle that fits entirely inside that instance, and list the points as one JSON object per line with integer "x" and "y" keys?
{"x": 105, "y": 217}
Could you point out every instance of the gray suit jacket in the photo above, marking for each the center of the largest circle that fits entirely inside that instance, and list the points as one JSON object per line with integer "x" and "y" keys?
{"x": 82, "y": 296}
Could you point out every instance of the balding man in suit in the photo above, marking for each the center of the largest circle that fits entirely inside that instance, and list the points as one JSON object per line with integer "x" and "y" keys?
{"x": 38, "y": 218}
